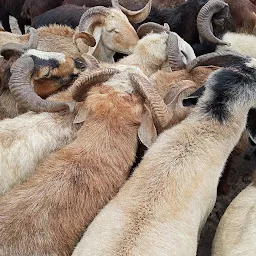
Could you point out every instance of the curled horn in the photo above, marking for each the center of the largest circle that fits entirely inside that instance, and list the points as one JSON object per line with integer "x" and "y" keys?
{"x": 86, "y": 80}
{"x": 174, "y": 54}
{"x": 91, "y": 62}
{"x": 23, "y": 92}
{"x": 149, "y": 27}
{"x": 10, "y": 48}
{"x": 134, "y": 16}
{"x": 222, "y": 58}
{"x": 93, "y": 16}
{"x": 86, "y": 37}
{"x": 147, "y": 90}
{"x": 204, "y": 20}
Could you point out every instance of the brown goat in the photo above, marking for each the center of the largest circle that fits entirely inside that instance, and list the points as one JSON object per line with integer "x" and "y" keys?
{"x": 57, "y": 204}
{"x": 243, "y": 13}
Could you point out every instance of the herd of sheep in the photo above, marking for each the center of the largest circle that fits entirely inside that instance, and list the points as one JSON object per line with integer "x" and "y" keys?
{"x": 118, "y": 124}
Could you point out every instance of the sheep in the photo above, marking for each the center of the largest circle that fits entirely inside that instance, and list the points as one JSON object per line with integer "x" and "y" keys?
{"x": 49, "y": 72}
{"x": 30, "y": 137}
{"x": 242, "y": 43}
{"x": 183, "y": 19}
{"x": 109, "y": 26}
{"x": 89, "y": 170}
{"x": 235, "y": 234}
{"x": 33, "y": 8}
{"x": 243, "y": 13}
{"x": 12, "y": 8}
{"x": 132, "y": 5}
{"x": 68, "y": 15}
{"x": 159, "y": 210}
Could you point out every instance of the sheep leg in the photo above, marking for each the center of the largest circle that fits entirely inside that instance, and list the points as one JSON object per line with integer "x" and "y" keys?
{"x": 5, "y": 22}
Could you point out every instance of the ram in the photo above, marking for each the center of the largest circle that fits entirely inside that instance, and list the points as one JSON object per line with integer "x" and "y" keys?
{"x": 183, "y": 18}
{"x": 235, "y": 234}
{"x": 159, "y": 209}
{"x": 49, "y": 72}
{"x": 109, "y": 26}
{"x": 72, "y": 184}
{"x": 241, "y": 43}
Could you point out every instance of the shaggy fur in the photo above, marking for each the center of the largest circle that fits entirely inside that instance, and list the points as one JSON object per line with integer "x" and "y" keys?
{"x": 163, "y": 207}
{"x": 70, "y": 187}
{"x": 235, "y": 235}
{"x": 242, "y": 43}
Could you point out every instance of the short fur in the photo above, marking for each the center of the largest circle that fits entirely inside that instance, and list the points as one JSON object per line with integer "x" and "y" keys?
{"x": 159, "y": 211}
{"x": 70, "y": 187}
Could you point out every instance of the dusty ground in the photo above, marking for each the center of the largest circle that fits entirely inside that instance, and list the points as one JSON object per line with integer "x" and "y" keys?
{"x": 240, "y": 177}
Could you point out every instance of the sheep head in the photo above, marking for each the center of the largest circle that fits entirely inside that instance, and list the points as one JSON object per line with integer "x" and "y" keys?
{"x": 171, "y": 48}
{"x": 44, "y": 73}
{"x": 112, "y": 26}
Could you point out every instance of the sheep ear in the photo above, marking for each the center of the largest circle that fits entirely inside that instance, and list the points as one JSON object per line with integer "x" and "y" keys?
{"x": 147, "y": 131}
{"x": 192, "y": 99}
{"x": 251, "y": 125}
{"x": 81, "y": 116}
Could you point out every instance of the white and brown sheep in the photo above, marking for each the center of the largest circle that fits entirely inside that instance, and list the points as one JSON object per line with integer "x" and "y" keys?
{"x": 73, "y": 184}
{"x": 164, "y": 205}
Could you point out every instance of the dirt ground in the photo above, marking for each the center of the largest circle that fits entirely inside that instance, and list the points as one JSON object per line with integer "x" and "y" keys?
{"x": 240, "y": 176}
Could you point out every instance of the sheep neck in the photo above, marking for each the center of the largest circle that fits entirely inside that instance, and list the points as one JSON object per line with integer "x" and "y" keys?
{"x": 102, "y": 53}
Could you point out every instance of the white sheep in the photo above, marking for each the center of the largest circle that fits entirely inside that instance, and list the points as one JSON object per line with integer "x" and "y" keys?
{"x": 236, "y": 232}
{"x": 164, "y": 205}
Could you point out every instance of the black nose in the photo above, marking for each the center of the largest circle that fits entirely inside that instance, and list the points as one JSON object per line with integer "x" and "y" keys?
{"x": 80, "y": 64}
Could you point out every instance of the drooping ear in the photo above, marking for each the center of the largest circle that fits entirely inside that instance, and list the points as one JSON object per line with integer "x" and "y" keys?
{"x": 81, "y": 116}
{"x": 251, "y": 125}
{"x": 147, "y": 131}
{"x": 192, "y": 99}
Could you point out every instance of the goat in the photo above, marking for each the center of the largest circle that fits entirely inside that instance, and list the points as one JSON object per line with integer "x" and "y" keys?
{"x": 50, "y": 131}
{"x": 132, "y": 5}
{"x": 89, "y": 170}
{"x": 33, "y": 8}
{"x": 235, "y": 234}
{"x": 159, "y": 210}
{"x": 12, "y": 8}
